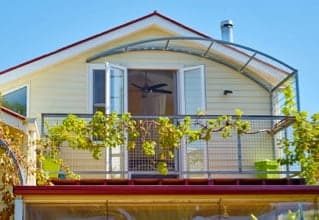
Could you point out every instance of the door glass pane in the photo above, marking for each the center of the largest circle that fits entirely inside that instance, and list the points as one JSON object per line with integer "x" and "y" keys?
{"x": 99, "y": 90}
{"x": 193, "y": 91}
{"x": 195, "y": 159}
{"x": 16, "y": 101}
{"x": 117, "y": 90}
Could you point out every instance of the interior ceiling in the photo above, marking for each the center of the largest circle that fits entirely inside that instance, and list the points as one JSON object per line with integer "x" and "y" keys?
{"x": 262, "y": 68}
{"x": 153, "y": 77}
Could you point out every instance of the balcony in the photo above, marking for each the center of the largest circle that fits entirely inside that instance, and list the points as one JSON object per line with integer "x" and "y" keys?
{"x": 237, "y": 156}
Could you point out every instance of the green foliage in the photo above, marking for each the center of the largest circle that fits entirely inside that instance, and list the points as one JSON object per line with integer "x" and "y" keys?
{"x": 104, "y": 131}
{"x": 303, "y": 148}
{"x": 162, "y": 168}
{"x": 289, "y": 108}
{"x": 291, "y": 215}
{"x": 9, "y": 173}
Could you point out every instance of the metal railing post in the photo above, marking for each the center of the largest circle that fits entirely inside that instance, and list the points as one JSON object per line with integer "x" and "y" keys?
{"x": 287, "y": 165}
{"x": 207, "y": 160}
{"x": 42, "y": 124}
{"x": 239, "y": 153}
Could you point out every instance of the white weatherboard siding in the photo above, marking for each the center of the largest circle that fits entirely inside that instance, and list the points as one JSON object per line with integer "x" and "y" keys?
{"x": 60, "y": 90}
{"x": 248, "y": 96}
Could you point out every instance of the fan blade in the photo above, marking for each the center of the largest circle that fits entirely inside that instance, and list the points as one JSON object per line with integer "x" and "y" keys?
{"x": 162, "y": 91}
{"x": 157, "y": 86}
{"x": 137, "y": 86}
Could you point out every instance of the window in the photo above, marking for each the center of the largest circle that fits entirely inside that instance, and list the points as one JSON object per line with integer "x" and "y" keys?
{"x": 99, "y": 90}
{"x": 108, "y": 88}
{"x": 16, "y": 100}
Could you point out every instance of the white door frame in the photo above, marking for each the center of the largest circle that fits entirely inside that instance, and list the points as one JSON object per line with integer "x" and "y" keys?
{"x": 181, "y": 88}
{"x": 180, "y": 96}
{"x": 182, "y": 111}
{"x": 123, "y": 154}
{"x": 108, "y": 67}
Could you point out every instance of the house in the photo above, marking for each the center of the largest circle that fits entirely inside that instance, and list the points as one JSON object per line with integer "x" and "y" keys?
{"x": 156, "y": 66}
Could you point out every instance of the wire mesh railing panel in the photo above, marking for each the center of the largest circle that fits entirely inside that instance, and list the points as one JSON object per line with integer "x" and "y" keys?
{"x": 82, "y": 161}
{"x": 256, "y": 147}
{"x": 195, "y": 156}
{"x": 138, "y": 161}
{"x": 223, "y": 153}
{"x": 231, "y": 157}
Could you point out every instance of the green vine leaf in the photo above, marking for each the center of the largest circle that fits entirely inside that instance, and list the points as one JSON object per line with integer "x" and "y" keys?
{"x": 303, "y": 147}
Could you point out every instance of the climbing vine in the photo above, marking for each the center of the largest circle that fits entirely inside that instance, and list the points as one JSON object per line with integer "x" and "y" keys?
{"x": 109, "y": 131}
{"x": 12, "y": 161}
{"x": 303, "y": 147}
{"x": 11, "y": 156}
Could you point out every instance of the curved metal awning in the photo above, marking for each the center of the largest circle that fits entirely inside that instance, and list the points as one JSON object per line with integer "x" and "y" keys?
{"x": 262, "y": 68}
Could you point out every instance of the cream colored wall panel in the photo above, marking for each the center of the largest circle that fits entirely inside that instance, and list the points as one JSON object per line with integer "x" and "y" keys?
{"x": 247, "y": 95}
{"x": 237, "y": 99}
{"x": 62, "y": 89}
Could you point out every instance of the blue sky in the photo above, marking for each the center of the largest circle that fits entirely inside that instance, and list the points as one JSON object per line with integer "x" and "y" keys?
{"x": 287, "y": 30}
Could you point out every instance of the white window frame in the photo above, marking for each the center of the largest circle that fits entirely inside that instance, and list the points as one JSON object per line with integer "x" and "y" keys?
{"x": 27, "y": 96}
{"x": 105, "y": 67}
{"x": 91, "y": 68}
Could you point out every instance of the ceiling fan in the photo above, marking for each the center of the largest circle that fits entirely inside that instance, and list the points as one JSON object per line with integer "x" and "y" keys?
{"x": 146, "y": 88}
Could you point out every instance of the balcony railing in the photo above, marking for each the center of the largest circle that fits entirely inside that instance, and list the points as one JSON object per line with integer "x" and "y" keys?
{"x": 233, "y": 157}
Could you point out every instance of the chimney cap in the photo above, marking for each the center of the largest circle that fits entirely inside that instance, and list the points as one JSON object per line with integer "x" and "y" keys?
{"x": 227, "y": 23}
